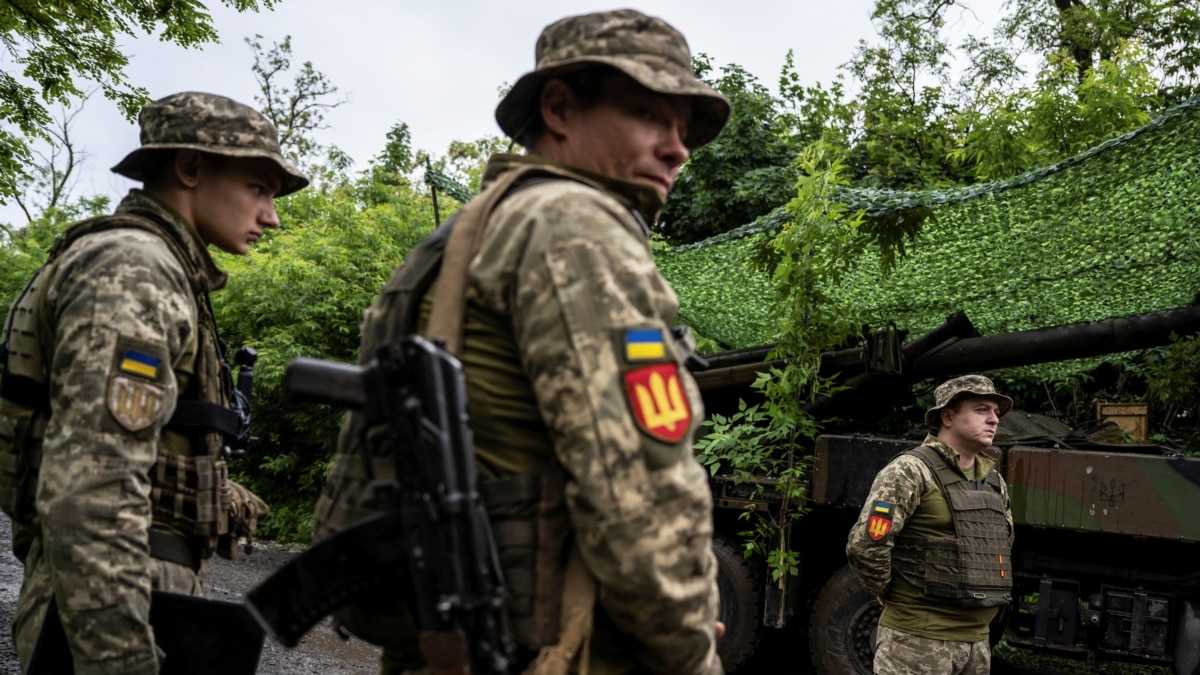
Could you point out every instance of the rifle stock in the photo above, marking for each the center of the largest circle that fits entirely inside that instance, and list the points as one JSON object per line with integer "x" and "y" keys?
{"x": 434, "y": 523}
{"x": 301, "y": 593}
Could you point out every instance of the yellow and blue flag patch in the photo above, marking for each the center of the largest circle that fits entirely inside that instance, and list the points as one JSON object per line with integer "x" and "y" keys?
{"x": 644, "y": 344}
{"x": 880, "y": 522}
{"x": 140, "y": 363}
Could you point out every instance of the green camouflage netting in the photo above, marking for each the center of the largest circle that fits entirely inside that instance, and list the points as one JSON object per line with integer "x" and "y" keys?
{"x": 1106, "y": 233}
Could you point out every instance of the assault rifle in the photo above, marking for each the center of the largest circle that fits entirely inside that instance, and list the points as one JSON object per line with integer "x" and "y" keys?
{"x": 432, "y": 524}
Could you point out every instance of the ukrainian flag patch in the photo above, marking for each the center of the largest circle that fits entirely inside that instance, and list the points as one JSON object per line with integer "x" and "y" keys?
{"x": 644, "y": 344}
{"x": 883, "y": 508}
{"x": 140, "y": 363}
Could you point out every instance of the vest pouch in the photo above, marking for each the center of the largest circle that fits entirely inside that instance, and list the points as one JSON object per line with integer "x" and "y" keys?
{"x": 191, "y": 495}
{"x": 21, "y": 435}
{"x": 532, "y": 529}
{"x": 940, "y": 579}
{"x": 984, "y": 553}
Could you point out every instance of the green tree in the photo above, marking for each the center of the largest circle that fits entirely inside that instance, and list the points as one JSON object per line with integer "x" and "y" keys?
{"x": 55, "y": 46}
{"x": 1091, "y": 32}
{"x": 741, "y": 175}
{"x": 810, "y": 253}
{"x": 301, "y": 292}
{"x": 1005, "y": 134}
{"x": 297, "y": 109}
{"x": 904, "y": 115}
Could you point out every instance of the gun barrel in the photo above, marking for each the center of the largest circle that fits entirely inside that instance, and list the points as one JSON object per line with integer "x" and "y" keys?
{"x": 1071, "y": 341}
{"x": 317, "y": 381}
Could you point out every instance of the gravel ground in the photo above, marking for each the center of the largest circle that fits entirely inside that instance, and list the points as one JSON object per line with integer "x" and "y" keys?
{"x": 321, "y": 651}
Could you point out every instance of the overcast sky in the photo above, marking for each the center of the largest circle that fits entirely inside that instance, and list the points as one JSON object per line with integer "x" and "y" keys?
{"x": 438, "y": 65}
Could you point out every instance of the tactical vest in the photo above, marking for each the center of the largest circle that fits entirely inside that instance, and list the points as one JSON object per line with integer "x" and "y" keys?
{"x": 190, "y": 490}
{"x": 971, "y": 568}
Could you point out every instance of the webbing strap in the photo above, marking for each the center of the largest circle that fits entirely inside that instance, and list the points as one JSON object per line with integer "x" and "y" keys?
{"x": 446, "y": 320}
{"x": 173, "y": 548}
{"x": 449, "y": 310}
{"x": 204, "y": 416}
{"x": 578, "y": 611}
{"x": 26, "y": 392}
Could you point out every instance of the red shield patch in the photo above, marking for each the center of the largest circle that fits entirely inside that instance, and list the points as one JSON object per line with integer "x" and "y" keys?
{"x": 659, "y": 404}
{"x": 878, "y": 527}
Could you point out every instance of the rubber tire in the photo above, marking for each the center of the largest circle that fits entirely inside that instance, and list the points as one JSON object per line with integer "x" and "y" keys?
{"x": 842, "y": 628}
{"x": 741, "y": 605}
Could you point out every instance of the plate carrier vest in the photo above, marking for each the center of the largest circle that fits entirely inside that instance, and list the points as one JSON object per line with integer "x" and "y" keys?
{"x": 973, "y": 567}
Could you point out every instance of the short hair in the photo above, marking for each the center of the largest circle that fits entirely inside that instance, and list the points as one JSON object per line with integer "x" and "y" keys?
{"x": 159, "y": 164}
{"x": 585, "y": 84}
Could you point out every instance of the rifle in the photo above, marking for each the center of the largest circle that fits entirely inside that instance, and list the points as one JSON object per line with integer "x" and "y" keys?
{"x": 433, "y": 523}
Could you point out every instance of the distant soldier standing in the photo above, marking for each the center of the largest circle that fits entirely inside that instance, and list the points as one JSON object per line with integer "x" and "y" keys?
{"x": 582, "y": 411}
{"x": 115, "y": 399}
{"x": 934, "y": 538}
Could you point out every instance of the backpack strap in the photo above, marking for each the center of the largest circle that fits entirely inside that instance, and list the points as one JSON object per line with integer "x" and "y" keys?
{"x": 446, "y": 320}
{"x": 449, "y": 310}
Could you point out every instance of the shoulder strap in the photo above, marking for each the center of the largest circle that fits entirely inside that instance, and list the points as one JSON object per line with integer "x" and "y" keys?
{"x": 943, "y": 473}
{"x": 449, "y": 309}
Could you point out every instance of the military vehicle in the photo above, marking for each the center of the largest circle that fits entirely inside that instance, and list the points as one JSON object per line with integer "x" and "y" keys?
{"x": 1106, "y": 559}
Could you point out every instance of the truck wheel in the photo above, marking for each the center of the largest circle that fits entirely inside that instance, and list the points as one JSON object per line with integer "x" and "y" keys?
{"x": 842, "y": 629}
{"x": 741, "y": 611}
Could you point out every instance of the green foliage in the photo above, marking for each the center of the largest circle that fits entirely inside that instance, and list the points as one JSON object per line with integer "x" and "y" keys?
{"x": 905, "y": 111}
{"x": 56, "y": 45}
{"x": 301, "y": 292}
{"x": 296, "y": 109}
{"x": 812, "y": 250}
{"x": 1092, "y": 32}
{"x": 1058, "y": 117}
{"x": 741, "y": 175}
{"x": 1105, "y": 233}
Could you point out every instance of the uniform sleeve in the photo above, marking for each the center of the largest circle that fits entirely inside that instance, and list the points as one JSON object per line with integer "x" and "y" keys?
{"x": 638, "y": 499}
{"x": 120, "y": 312}
{"x": 894, "y": 497}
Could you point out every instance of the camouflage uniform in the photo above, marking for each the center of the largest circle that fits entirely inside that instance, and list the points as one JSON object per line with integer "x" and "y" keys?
{"x": 572, "y": 372}
{"x": 918, "y": 634}
{"x": 115, "y": 320}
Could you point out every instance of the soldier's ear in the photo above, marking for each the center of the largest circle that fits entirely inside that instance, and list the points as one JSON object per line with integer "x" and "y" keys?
{"x": 944, "y": 414}
{"x": 554, "y": 102}
{"x": 186, "y": 166}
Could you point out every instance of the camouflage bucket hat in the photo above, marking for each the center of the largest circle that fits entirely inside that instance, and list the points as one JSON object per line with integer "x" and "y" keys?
{"x": 967, "y": 385}
{"x": 209, "y": 123}
{"x": 643, "y": 47}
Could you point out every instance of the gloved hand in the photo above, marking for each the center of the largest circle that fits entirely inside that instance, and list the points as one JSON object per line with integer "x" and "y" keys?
{"x": 245, "y": 508}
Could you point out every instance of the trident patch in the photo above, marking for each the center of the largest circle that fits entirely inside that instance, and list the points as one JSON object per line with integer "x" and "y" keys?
{"x": 880, "y": 522}
{"x": 659, "y": 404}
{"x": 135, "y": 404}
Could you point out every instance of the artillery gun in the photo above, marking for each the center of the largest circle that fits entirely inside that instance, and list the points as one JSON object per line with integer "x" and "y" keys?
{"x": 1107, "y": 553}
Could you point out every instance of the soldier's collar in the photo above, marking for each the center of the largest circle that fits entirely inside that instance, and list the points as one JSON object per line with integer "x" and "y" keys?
{"x": 140, "y": 202}
{"x": 638, "y": 197}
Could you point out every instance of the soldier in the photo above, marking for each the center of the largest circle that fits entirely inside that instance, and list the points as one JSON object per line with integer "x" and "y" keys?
{"x": 115, "y": 401}
{"x": 934, "y": 537}
{"x": 582, "y": 411}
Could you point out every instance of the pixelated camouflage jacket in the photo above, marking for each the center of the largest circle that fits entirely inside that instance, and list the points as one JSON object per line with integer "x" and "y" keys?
{"x": 111, "y": 292}
{"x": 565, "y": 270}
{"x": 900, "y": 486}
